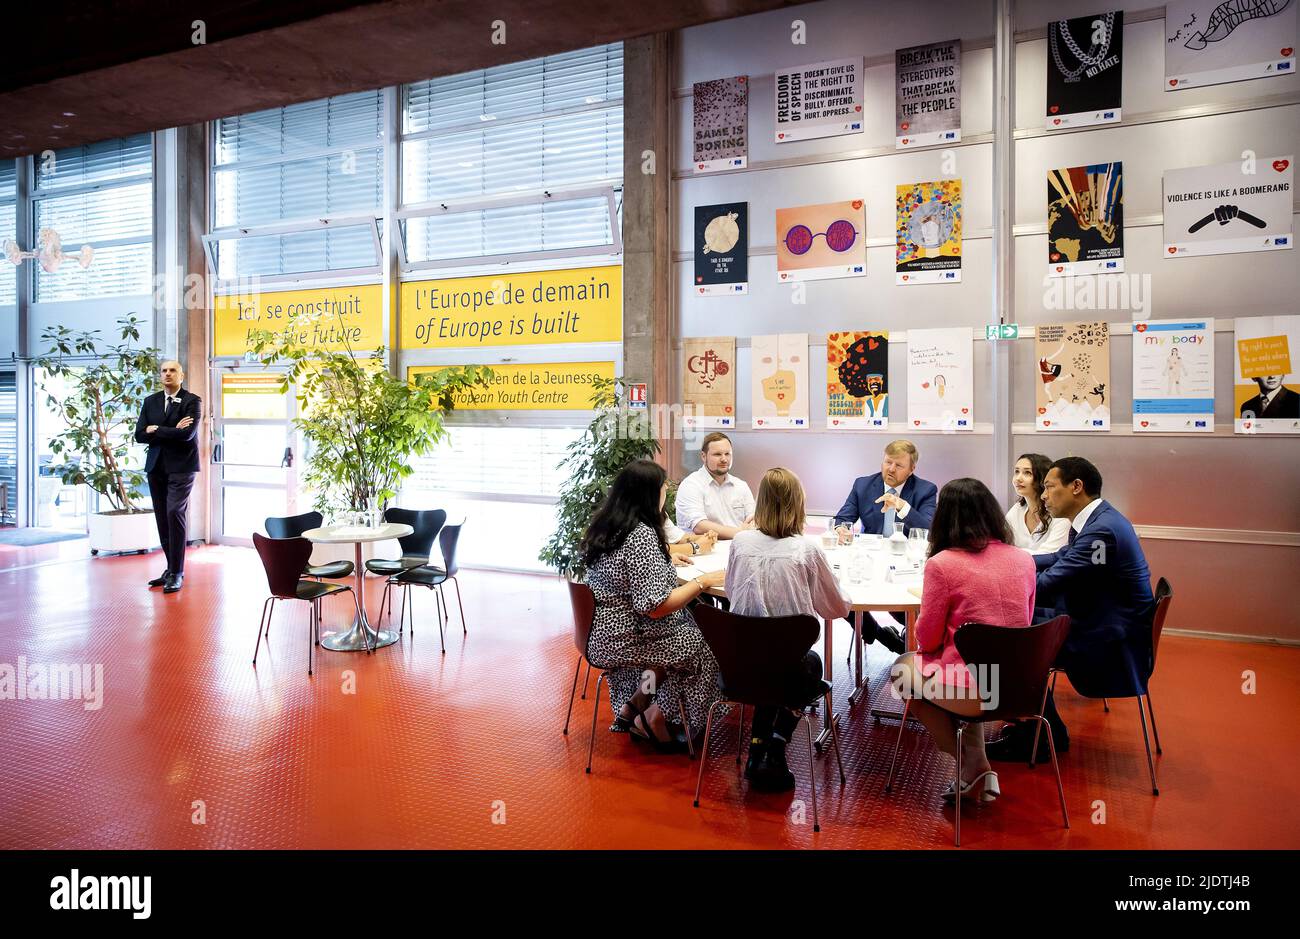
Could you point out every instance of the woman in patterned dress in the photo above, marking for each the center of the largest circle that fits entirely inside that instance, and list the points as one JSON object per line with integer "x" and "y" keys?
{"x": 642, "y": 627}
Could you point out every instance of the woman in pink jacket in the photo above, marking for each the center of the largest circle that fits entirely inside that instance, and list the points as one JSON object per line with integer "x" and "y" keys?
{"x": 975, "y": 574}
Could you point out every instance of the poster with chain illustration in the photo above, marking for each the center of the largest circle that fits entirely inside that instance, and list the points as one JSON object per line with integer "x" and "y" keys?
{"x": 1173, "y": 376}
{"x": 709, "y": 382}
{"x": 1073, "y": 387}
{"x": 857, "y": 380}
{"x": 1266, "y": 386}
{"x": 1084, "y": 57}
{"x": 927, "y": 233}
{"x": 940, "y": 379}
{"x": 1085, "y": 220}
{"x": 722, "y": 249}
{"x": 821, "y": 100}
{"x": 816, "y": 242}
{"x": 721, "y": 109}
{"x": 1210, "y": 42}
{"x": 927, "y": 95}
{"x": 1230, "y": 208}
{"x": 779, "y": 381}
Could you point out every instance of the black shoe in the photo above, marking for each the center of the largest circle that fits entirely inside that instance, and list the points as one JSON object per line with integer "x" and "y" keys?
{"x": 1015, "y": 745}
{"x": 160, "y": 580}
{"x": 757, "y": 753}
{"x": 891, "y": 639}
{"x": 174, "y": 583}
{"x": 774, "y": 775}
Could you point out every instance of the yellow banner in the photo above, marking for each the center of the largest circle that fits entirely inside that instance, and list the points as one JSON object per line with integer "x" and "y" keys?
{"x": 326, "y": 318}
{"x": 1268, "y": 355}
{"x": 554, "y": 386}
{"x": 580, "y": 305}
{"x": 253, "y": 397}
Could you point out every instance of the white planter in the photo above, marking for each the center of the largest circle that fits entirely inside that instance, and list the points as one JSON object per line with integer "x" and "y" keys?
{"x": 136, "y": 532}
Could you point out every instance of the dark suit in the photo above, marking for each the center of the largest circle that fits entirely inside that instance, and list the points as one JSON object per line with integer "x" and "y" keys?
{"x": 1101, "y": 580}
{"x": 1285, "y": 404}
{"x": 920, "y": 494}
{"x": 171, "y": 465}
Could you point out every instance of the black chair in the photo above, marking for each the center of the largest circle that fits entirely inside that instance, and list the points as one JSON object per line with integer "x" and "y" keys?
{"x": 425, "y": 525}
{"x": 284, "y": 560}
{"x": 293, "y": 527}
{"x": 756, "y": 655}
{"x": 433, "y": 577}
{"x": 1021, "y": 658}
{"x": 583, "y": 602}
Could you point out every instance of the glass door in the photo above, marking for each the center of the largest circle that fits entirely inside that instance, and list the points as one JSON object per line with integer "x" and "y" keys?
{"x": 254, "y": 458}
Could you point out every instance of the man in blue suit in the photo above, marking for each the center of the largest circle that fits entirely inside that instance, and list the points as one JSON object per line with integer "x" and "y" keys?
{"x": 895, "y": 499}
{"x": 1101, "y": 580}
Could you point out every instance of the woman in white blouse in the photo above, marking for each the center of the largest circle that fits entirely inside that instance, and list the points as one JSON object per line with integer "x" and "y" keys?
{"x": 1034, "y": 529}
{"x": 773, "y": 570}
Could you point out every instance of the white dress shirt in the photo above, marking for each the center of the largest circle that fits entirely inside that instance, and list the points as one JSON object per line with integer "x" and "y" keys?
{"x": 672, "y": 534}
{"x": 700, "y": 498}
{"x": 769, "y": 576}
{"x": 1084, "y": 513}
{"x": 1044, "y": 542}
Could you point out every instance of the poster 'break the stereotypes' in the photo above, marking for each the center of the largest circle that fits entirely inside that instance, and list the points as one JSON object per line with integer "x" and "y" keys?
{"x": 1073, "y": 376}
{"x": 709, "y": 382}
{"x": 927, "y": 95}
{"x": 857, "y": 380}
{"x": 721, "y": 112}
{"x": 821, "y": 100}
{"x": 1173, "y": 376}
{"x": 927, "y": 221}
{"x": 817, "y": 242}
{"x": 1266, "y": 392}
{"x": 1230, "y": 207}
{"x": 722, "y": 249}
{"x": 1084, "y": 58}
{"x": 940, "y": 379}
{"x": 779, "y": 381}
{"x": 1085, "y": 220}
{"x": 1209, "y": 42}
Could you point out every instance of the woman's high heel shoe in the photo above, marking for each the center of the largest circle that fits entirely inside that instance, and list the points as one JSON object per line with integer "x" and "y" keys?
{"x": 988, "y": 794}
{"x": 641, "y": 730}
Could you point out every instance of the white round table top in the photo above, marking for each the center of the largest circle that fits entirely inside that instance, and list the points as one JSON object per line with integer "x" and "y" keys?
{"x": 356, "y": 534}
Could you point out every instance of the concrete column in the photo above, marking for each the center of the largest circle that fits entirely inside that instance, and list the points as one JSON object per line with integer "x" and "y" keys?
{"x": 1004, "y": 243}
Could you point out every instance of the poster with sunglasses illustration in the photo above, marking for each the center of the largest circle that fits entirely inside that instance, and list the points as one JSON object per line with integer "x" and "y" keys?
{"x": 1210, "y": 42}
{"x": 1230, "y": 207}
{"x": 1173, "y": 376}
{"x": 721, "y": 109}
{"x": 821, "y": 100}
{"x": 819, "y": 242}
{"x": 1085, "y": 220}
{"x": 927, "y": 229}
{"x": 709, "y": 382}
{"x": 857, "y": 380}
{"x": 1084, "y": 56}
{"x": 940, "y": 379}
{"x": 1073, "y": 387}
{"x": 779, "y": 381}
{"x": 1266, "y": 386}
{"x": 927, "y": 95}
{"x": 722, "y": 249}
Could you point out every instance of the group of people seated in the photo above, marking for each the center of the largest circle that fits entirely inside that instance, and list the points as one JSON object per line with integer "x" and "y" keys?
{"x": 1059, "y": 549}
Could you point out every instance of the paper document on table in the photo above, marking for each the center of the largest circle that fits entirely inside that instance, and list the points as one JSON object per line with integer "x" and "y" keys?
{"x": 708, "y": 563}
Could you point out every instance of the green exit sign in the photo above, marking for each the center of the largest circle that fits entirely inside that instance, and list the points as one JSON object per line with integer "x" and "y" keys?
{"x": 1004, "y": 331}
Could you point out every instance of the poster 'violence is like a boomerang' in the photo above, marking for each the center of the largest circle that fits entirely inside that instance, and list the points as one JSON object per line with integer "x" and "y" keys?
{"x": 1210, "y": 42}
{"x": 1266, "y": 392}
{"x": 721, "y": 111}
{"x": 818, "y": 242}
{"x": 779, "y": 381}
{"x": 1085, "y": 220}
{"x": 928, "y": 223}
{"x": 1073, "y": 384}
{"x": 927, "y": 95}
{"x": 1229, "y": 208}
{"x": 857, "y": 380}
{"x": 1173, "y": 376}
{"x": 1084, "y": 59}
{"x": 821, "y": 100}
{"x": 940, "y": 379}
{"x": 709, "y": 382}
{"x": 722, "y": 249}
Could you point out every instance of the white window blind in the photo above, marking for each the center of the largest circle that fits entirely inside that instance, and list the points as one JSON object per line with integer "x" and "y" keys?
{"x": 8, "y": 230}
{"x": 497, "y": 460}
{"x": 109, "y": 161}
{"x": 9, "y": 438}
{"x": 551, "y": 226}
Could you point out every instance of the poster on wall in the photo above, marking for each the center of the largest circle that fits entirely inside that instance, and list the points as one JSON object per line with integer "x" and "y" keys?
{"x": 1173, "y": 376}
{"x": 821, "y": 100}
{"x": 857, "y": 380}
{"x": 721, "y": 124}
{"x": 927, "y": 95}
{"x": 818, "y": 242}
{"x": 1084, "y": 57}
{"x": 927, "y": 223}
{"x": 1266, "y": 388}
{"x": 940, "y": 379}
{"x": 722, "y": 249}
{"x": 1085, "y": 220}
{"x": 1229, "y": 208}
{"x": 779, "y": 381}
{"x": 1210, "y": 42}
{"x": 709, "y": 382}
{"x": 1073, "y": 376}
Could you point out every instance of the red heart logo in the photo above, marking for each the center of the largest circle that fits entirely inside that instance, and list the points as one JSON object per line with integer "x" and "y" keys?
{"x": 836, "y": 423}
{"x": 780, "y": 136}
{"x": 1047, "y": 423}
{"x": 1057, "y": 121}
{"x": 727, "y": 409}
{"x": 1281, "y": 165}
{"x": 965, "y": 410}
{"x": 783, "y": 276}
{"x": 1173, "y": 83}
{"x": 1246, "y": 425}
{"x": 700, "y": 165}
{"x": 856, "y": 203}
{"x": 1172, "y": 249}
{"x": 1059, "y": 269}
{"x": 1144, "y": 424}
{"x": 857, "y": 107}
{"x": 904, "y": 140}
{"x": 1055, "y": 256}
{"x": 780, "y": 396}
{"x": 906, "y": 125}
{"x": 1286, "y": 53}
{"x": 925, "y": 384}
{"x": 759, "y": 421}
{"x": 1042, "y": 410}
{"x": 1053, "y": 109}
{"x": 701, "y": 290}
{"x": 1141, "y": 327}
{"x": 917, "y": 423}
{"x": 904, "y": 277}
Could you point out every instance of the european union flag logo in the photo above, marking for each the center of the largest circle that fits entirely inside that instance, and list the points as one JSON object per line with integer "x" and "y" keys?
{"x": 1109, "y": 115}
{"x": 951, "y": 135}
{"x": 855, "y": 127}
{"x": 1200, "y": 423}
{"x": 1110, "y": 264}
{"x": 1279, "y": 241}
{"x": 961, "y": 423}
{"x": 1097, "y": 423}
{"x": 1284, "y": 66}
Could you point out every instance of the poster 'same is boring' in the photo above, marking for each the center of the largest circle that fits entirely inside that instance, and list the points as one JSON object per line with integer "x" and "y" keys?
{"x": 721, "y": 109}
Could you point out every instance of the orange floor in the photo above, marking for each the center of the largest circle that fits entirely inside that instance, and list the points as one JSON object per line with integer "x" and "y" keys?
{"x": 434, "y": 751}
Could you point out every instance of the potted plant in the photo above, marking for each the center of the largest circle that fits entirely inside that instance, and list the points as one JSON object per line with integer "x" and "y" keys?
{"x": 105, "y": 387}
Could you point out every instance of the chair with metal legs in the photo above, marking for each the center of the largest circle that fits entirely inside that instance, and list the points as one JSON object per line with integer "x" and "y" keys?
{"x": 293, "y": 527}
{"x": 284, "y": 560}
{"x": 434, "y": 578}
{"x": 416, "y": 547}
{"x": 583, "y": 602}
{"x": 756, "y": 656}
{"x": 1019, "y": 659}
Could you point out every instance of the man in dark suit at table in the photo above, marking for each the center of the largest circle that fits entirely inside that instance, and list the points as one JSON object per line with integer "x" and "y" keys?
{"x": 1100, "y": 579}
{"x": 1275, "y": 400}
{"x": 895, "y": 499}
{"x": 169, "y": 424}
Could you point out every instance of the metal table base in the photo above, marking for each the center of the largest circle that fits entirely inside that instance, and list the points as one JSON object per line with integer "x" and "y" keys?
{"x": 355, "y": 638}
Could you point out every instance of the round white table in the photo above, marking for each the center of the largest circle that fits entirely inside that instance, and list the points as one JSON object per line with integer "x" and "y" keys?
{"x": 361, "y": 636}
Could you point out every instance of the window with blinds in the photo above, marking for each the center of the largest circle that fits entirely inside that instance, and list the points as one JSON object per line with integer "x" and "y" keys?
{"x": 8, "y": 229}
{"x": 9, "y": 440}
{"x": 496, "y": 460}
{"x": 99, "y": 194}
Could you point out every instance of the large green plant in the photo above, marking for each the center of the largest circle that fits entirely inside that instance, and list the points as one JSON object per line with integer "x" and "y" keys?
{"x": 362, "y": 423}
{"x": 105, "y": 385}
{"x": 614, "y": 438}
